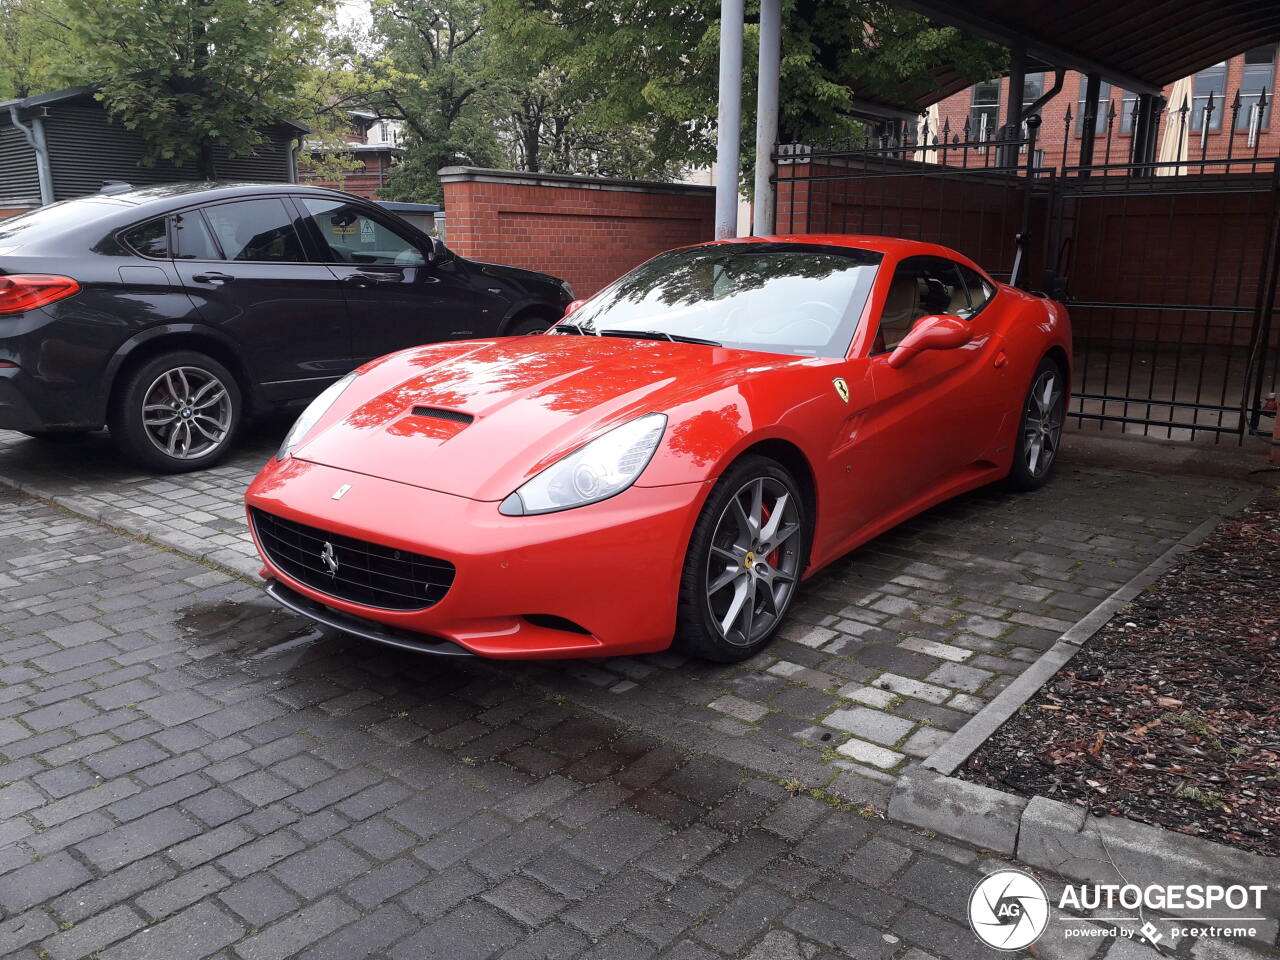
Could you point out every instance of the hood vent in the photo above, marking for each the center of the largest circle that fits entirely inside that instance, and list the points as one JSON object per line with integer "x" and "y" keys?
{"x": 439, "y": 413}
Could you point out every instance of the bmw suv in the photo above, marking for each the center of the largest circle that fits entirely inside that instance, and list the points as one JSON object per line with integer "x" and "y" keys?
{"x": 169, "y": 314}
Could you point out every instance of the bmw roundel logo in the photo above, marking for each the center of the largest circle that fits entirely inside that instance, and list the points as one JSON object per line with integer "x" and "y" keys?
{"x": 1008, "y": 910}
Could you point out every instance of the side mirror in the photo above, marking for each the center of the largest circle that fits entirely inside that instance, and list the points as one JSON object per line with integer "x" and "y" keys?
{"x": 573, "y": 305}
{"x": 935, "y": 332}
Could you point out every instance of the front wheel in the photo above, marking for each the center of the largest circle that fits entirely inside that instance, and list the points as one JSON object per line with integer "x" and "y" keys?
{"x": 177, "y": 412}
{"x": 1040, "y": 429}
{"x": 523, "y": 326}
{"x": 744, "y": 563}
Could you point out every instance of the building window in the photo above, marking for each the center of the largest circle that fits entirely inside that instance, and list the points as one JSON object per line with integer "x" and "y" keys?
{"x": 1122, "y": 100}
{"x": 1259, "y": 77}
{"x": 1032, "y": 89}
{"x": 1208, "y": 83}
{"x": 984, "y": 114}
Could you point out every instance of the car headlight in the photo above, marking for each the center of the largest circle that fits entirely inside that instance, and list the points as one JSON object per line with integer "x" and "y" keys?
{"x": 312, "y": 414}
{"x": 595, "y": 471}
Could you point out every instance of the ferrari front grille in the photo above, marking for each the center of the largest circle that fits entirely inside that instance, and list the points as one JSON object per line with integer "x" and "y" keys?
{"x": 357, "y": 571}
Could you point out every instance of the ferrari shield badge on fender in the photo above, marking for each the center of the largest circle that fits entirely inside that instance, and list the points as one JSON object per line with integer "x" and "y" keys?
{"x": 842, "y": 388}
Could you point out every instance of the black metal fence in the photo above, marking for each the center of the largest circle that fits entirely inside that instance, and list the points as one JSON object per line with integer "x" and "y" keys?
{"x": 1169, "y": 268}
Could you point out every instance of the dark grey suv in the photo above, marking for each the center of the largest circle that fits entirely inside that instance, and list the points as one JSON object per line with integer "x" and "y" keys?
{"x": 171, "y": 313}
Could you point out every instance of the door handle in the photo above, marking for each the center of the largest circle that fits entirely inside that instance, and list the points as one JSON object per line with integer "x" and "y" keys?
{"x": 213, "y": 277}
{"x": 1001, "y": 358}
{"x": 369, "y": 279}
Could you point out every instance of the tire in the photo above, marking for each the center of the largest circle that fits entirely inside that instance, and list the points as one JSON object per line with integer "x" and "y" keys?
{"x": 523, "y": 326}
{"x": 206, "y": 409}
{"x": 1039, "y": 428}
{"x": 57, "y": 436}
{"x": 726, "y": 560}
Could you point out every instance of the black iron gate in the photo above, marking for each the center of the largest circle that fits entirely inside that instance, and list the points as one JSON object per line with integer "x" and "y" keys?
{"x": 1169, "y": 269}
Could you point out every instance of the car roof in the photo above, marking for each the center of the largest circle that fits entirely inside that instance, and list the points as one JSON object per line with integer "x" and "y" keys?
{"x": 216, "y": 189}
{"x": 893, "y": 246}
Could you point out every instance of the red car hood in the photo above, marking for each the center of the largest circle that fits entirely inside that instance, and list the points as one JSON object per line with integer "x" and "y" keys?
{"x": 532, "y": 399}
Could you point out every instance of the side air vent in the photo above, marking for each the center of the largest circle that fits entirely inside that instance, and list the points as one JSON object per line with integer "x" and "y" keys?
{"x": 441, "y": 414}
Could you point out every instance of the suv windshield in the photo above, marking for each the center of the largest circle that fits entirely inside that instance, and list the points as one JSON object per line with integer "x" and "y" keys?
{"x": 802, "y": 299}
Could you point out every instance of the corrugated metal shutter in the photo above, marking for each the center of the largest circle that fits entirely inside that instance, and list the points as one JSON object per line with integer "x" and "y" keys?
{"x": 19, "y": 181}
{"x": 269, "y": 163}
{"x": 87, "y": 149}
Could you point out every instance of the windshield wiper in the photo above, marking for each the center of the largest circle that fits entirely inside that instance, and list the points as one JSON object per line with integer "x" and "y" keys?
{"x": 659, "y": 335}
{"x": 565, "y": 325}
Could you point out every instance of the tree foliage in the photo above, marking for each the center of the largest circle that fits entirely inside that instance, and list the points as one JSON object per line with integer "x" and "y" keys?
{"x": 193, "y": 75}
{"x": 33, "y": 41}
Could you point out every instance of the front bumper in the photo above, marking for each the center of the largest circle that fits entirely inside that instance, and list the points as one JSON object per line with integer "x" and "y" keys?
{"x": 611, "y": 568}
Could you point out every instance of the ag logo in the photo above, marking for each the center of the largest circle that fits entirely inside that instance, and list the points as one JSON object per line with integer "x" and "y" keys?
{"x": 1008, "y": 910}
{"x": 842, "y": 388}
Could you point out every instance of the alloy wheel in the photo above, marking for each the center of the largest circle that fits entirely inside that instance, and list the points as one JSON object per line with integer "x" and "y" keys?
{"x": 1042, "y": 423}
{"x": 754, "y": 561}
{"x": 187, "y": 412}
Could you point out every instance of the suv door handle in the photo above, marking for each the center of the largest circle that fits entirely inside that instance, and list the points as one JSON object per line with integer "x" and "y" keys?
{"x": 213, "y": 276}
{"x": 369, "y": 279}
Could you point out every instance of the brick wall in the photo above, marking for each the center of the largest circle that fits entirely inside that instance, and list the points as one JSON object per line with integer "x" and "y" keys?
{"x": 586, "y": 230}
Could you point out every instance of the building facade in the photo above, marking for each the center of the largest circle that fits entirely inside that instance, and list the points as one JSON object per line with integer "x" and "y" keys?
{"x": 1222, "y": 111}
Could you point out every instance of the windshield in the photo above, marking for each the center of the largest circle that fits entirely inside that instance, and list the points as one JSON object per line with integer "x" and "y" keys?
{"x": 803, "y": 299}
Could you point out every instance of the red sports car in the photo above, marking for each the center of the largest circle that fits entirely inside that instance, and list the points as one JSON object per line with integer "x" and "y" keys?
{"x": 667, "y": 463}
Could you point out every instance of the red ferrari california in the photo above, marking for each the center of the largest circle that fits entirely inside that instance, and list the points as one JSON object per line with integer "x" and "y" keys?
{"x": 670, "y": 461}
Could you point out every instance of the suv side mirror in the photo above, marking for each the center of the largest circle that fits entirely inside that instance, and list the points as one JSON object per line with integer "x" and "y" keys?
{"x": 934, "y": 332}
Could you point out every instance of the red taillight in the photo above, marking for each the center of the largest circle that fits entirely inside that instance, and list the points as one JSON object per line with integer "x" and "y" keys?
{"x": 26, "y": 291}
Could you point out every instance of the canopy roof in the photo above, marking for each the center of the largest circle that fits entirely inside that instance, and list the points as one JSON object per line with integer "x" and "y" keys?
{"x": 1140, "y": 45}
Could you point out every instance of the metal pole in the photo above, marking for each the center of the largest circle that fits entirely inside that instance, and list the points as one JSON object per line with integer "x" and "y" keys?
{"x": 34, "y": 135}
{"x": 729, "y": 119}
{"x": 1089, "y": 120}
{"x": 1013, "y": 109}
{"x": 763, "y": 220}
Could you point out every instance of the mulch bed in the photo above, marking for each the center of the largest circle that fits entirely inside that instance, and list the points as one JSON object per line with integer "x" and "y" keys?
{"x": 1171, "y": 713}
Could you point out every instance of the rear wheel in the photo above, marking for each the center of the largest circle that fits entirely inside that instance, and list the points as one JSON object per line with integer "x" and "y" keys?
{"x": 1040, "y": 430}
{"x": 177, "y": 412}
{"x": 744, "y": 562}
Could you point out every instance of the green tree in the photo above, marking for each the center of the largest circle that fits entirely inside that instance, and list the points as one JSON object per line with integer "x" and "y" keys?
{"x": 33, "y": 40}
{"x": 193, "y": 75}
{"x": 434, "y": 69}
{"x": 654, "y": 65}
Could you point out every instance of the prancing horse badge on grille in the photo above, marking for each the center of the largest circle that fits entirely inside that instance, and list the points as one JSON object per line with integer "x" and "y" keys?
{"x": 329, "y": 559}
{"x": 341, "y": 491}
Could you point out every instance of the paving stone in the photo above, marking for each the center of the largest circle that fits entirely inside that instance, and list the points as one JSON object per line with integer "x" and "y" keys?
{"x": 737, "y": 707}
{"x": 88, "y": 938}
{"x": 40, "y": 881}
{"x": 864, "y": 752}
{"x": 872, "y": 724}
{"x": 181, "y": 892}
{"x": 472, "y": 930}
{"x": 197, "y": 932}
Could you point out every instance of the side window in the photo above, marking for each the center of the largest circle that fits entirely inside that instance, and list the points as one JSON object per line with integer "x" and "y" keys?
{"x": 352, "y": 236}
{"x": 151, "y": 239}
{"x": 921, "y": 286}
{"x": 979, "y": 288}
{"x": 191, "y": 238}
{"x": 255, "y": 230}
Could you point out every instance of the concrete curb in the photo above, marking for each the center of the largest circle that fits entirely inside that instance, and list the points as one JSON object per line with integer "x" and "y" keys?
{"x": 1061, "y": 838}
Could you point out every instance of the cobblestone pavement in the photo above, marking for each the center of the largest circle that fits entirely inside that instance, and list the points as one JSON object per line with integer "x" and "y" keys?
{"x": 184, "y": 774}
{"x": 886, "y": 653}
